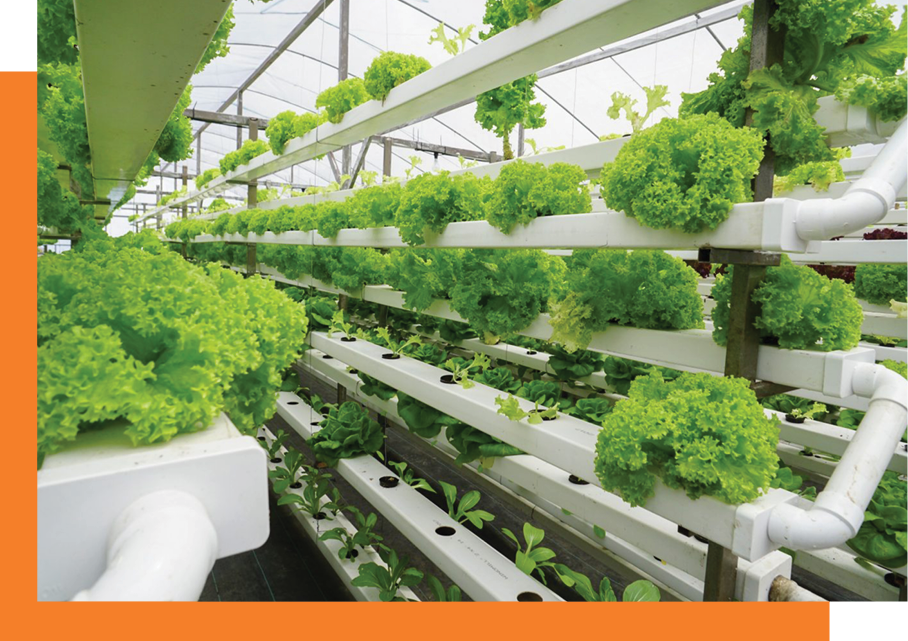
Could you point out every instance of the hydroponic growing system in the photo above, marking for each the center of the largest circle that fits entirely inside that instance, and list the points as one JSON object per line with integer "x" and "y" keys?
{"x": 648, "y": 348}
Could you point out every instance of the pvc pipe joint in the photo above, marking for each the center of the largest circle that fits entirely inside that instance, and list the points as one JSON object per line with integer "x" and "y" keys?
{"x": 866, "y": 201}
{"x": 838, "y": 512}
{"x": 161, "y": 548}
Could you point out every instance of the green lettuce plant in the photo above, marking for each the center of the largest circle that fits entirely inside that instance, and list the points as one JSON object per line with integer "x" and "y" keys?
{"x": 341, "y": 98}
{"x": 880, "y": 283}
{"x": 524, "y": 191}
{"x": 388, "y": 580}
{"x": 430, "y": 202}
{"x": 347, "y": 431}
{"x": 242, "y": 156}
{"x": 463, "y": 510}
{"x": 422, "y": 419}
{"x": 390, "y": 69}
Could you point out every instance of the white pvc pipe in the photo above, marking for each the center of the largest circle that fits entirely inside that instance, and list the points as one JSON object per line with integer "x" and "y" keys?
{"x": 161, "y": 548}
{"x": 838, "y": 512}
{"x": 867, "y": 200}
{"x": 784, "y": 589}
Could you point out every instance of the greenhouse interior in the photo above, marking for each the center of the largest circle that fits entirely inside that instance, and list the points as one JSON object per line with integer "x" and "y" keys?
{"x": 486, "y": 300}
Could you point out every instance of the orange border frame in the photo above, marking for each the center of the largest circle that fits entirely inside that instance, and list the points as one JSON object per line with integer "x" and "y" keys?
{"x": 672, "y": 621}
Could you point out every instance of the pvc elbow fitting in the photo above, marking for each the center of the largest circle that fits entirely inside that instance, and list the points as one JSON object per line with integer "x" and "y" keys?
{"x": 813, "y": 529}
{"x": 161, "y": 548}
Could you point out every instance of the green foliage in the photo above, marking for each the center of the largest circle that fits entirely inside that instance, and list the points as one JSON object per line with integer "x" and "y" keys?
{"x": 423, "y": 420}
{"x": 242, "y": 156}
{"x": 206, "y": 177}
{"x": 683, "y": 173}
{"x": 423, "y": 275}
{"x": 175, "y": 141}
{"x": 473, "y": 444}
{"x": 545, "y": 393}
{"x": 341, "y": 98}
{"x": 461, "y": 369}
{"x": 879, "y": 283}
{"x": 62, "y": 104}
{"x": 408, "y": 476}
{"x": 641, "y": 590}
{"x": 845, "y": 47}
{"x": 524, "y": 191}
{"x": 799, "y": 307}
{"x": 500, "y": 293}
{"x": 438, "y": 590}
{"x": 569, "y": 366}
{"x": 643, "y": 288}
{"x": 364, "y": 535}
{"x": 374, "y": 206}
{"x": 287, "y": 125}
{"x": 501, "y": 109}
{"x": 374, "y": 387}
{"x": 700, "y": 433}
{"x": 390, "y": 69}
{"x": 452, "y": 45}
{"x": 346, "y": 432}
{"x": 431, "y": 201}
{"x": 388, "y": 580}
{"x": 520, "y": 10}
{"x": 454, "y": 332}
{"x": 152, "y": 340}
{"x": 430, "y": 353}
{"x": 819, "y": 174}
{"x": 531, "y": 557}
{"x": 315, "y": 488}
{"x": 898, "y": 367}
{"x": 501, "y": 378}
{"x": 655, "y": 98}
{"x": 592, "y": 409}
{"x": 794, "y": 405}
{"x": 218, "y": 48}
{"x": 57, "y": 32}
{"x": 883, "y": 537}
{"x": 57, "y": 208}
{"x": 463, "y": 510}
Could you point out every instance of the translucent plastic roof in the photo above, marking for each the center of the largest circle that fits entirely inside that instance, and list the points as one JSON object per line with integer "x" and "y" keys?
{"x": 576, "y": 100}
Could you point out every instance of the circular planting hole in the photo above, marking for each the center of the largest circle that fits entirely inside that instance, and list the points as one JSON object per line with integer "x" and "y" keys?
{"x": 894, "y": 579}
{"x": 524, "y": 597}
{"x": 447, "y": 379}
{"x": 296, "y": 486}
{"x": 576, "y": 480}
{"x": 544, "y": 418}
{"x": 324, "y": 411}
{"x": 795, "y": 420}
{"x": 388, "y": 481}
{"x": 315, "y": 423}
{"x": 390, "y": 356}
{"x": 276, "y": 459}
{"x": 354, "y": 371}
{"x": 321, "y": 516}
{"x": 261, "y": 438}
{"x": 327, "y": 357}
{"x": 348, "y": 339}
{"x": 532, "y": 352}
{"x": 352, "y": 554}
{"x": 444, "y": 530}
{"x": 293, "y": 402}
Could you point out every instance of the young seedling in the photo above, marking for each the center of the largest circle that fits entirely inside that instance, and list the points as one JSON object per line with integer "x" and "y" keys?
{"x": 461, "y": 369}
{"x": 316, "y": 403}
{"x": 637, "y": 591}
{"x": 438, "y": 590}
{"x": 463, "y": 511}
{"x": 339, "y": 324}
{"x": 655, "y": 98}
{"x": 802, "y": 415}
{"x": 541, "y": 150}
{"x": 452, "y": 45}
{"x": 415, "y": 161}
{"x": 510, "y": 407}
{"x": 368, "y": 178}
{"x": 531, "y": 558}
{"x": 310, "y": 501}
{"x": 283, "y": 477}
{"x": 274, "y": 449}
{"x": 363, "y": 537}
{"x": 407, "y": 476}
{"x": 396, "y": 347}
{"x": 388, "y": 580}
{"x": 466, "y": 164}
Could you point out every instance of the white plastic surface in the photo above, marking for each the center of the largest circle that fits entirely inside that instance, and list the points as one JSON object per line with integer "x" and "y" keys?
{"x": 84, "y": 488}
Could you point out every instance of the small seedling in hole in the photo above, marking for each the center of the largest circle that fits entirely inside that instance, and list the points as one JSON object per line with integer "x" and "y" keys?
{"x": 463, "y": 511}
{"x": 637, "y": 591}
{"x": 388, "y": 580}
{"x": 396, "y": 347}
{"x": 310, "y": 501}
{"x": 510, "y": 407}
{"x": 415, "y": 161}
{"x": 364, "y": 534}
{"x": 438, "y": 590}
{"x": 316, "y": 403}
{"x": 274, "y": 449}
{"x": 283, "y": 477}
{"x": 407, "y": 476}
{"x": 338, "y": 324}
{"x": 461, "y": 370}
{"x": 532, "y": 558}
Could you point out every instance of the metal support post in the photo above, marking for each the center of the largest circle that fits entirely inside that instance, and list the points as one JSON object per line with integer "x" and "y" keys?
{"x": 239, "y": 112}
{"x": 343, "y": 60}
{"x": 386, "y": 158}
{"x": 251, "y": 261}
{"x": 520, "y": 137}
{"x": 185, "y": 210}
{"x": 198, "y": 155}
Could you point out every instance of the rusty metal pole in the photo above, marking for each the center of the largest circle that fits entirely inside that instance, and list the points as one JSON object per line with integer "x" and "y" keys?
{"x": 239, "y": 112}
{"x": 252, "y": 191}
